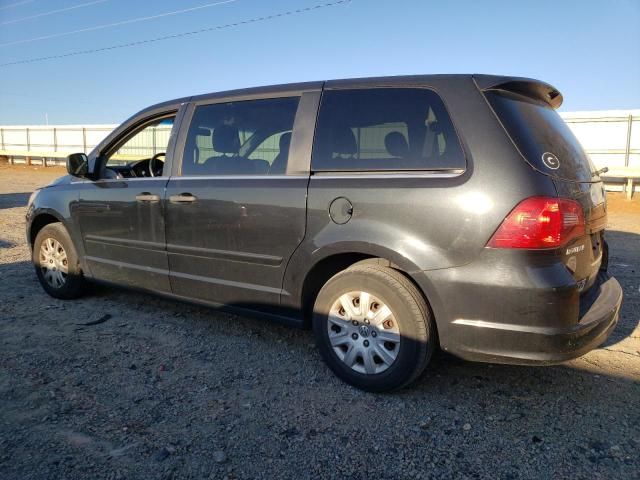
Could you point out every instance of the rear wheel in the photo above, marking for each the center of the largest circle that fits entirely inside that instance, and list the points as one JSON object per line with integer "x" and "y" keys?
{"x": 56, "y": 262}
{"x": 373, "y": 328}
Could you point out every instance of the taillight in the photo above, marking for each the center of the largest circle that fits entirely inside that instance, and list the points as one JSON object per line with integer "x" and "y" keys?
{"x": 540, "y": 222}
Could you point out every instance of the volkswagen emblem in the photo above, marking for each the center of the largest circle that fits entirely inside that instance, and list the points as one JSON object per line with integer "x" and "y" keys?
{"x": 364, "y": 330}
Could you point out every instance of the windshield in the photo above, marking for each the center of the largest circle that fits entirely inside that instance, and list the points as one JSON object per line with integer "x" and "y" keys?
{"x": 542, "y": 137}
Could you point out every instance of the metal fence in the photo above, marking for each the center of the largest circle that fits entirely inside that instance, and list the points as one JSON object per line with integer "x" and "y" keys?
{"x": 611, "y": 138}
{"x": 52, "y": 139}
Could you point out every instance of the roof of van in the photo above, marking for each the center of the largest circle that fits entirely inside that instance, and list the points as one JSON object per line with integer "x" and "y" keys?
{"x": 526, "y": 86}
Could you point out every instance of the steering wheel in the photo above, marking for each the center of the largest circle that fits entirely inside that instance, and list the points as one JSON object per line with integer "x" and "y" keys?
{"x": 154, "y": 159}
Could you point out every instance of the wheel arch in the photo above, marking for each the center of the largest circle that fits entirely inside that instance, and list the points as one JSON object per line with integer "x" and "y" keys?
{"x": 41, "y": 219}
{"x": 322, "y": 269}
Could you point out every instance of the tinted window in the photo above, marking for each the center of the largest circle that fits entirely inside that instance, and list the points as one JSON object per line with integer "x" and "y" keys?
{"x": 542, "y": 136}
{"x": 385, "y": 129}
{"x": 240, "y": 138}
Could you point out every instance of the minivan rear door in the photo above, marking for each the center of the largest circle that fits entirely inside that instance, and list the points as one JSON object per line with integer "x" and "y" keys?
{"x": 548, "y": 145}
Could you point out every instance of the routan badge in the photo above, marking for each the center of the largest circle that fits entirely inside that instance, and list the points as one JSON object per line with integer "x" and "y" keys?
{"x": 550, "y": 161}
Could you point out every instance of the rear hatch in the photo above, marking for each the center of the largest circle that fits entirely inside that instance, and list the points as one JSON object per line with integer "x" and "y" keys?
{"x": 526, "y": 110}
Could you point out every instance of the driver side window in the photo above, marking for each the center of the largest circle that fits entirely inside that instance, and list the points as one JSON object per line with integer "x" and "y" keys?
{"x": 149, "y": 141}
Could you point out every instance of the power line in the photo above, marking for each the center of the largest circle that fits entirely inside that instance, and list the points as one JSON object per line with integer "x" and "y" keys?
{"x": 17, "y": 4}
{"x": 51, "y": 12}
{"x": 116, "y": 24}
{"x": 182, "y": 34}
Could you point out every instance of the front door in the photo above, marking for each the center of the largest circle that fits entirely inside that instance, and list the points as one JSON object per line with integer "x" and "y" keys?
{"x": 121, "y": 214}
{"x": 234, "y": 215}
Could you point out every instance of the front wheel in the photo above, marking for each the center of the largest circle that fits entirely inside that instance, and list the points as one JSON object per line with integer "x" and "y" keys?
{"x": 56, "y": 262}
{"x": 373, "y": 328}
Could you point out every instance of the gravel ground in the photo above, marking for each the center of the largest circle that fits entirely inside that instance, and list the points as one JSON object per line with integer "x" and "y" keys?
{"x": 166, "y": 390}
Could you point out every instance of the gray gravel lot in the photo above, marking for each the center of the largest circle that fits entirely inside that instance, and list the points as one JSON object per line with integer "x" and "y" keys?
{"x": 167, "y": 390}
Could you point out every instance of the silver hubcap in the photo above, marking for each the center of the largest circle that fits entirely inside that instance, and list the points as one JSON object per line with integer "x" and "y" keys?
{"x": 363, "y": 332}
{"x": 53, "y": 262}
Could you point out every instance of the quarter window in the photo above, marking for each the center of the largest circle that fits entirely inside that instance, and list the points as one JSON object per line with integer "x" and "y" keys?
{"x": 385, "y": 129}
{"x": 240, "y": 138}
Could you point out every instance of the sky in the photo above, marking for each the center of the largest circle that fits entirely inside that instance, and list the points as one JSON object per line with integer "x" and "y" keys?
{"x": 588, "y": 49}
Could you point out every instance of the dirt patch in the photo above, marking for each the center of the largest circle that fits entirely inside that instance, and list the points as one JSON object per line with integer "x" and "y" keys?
{"x": 125, "y": 385}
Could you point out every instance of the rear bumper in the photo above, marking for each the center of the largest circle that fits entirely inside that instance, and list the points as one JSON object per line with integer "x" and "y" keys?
{"x": 522, "y": 344}
{"x": 528, "y": 320}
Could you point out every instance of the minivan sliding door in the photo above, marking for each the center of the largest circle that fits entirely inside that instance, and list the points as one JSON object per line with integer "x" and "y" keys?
{"x": 236, "y": 209}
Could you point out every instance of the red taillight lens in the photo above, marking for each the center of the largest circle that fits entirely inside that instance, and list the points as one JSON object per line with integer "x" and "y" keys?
{"x": 540, "y": 222}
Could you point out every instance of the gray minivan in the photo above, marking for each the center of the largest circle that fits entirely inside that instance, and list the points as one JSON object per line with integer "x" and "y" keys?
{"x": 393, "y": 215}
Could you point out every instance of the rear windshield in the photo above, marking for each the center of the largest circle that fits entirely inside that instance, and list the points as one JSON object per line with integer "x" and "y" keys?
{"x": 542, "y": 136}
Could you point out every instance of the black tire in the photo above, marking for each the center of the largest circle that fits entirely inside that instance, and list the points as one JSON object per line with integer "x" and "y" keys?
{"x": 74, "y": 283}
{"x": 415, "y": 322}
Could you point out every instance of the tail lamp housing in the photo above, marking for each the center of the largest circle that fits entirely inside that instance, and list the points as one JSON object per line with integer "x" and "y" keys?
{"x": 540, "y": 223}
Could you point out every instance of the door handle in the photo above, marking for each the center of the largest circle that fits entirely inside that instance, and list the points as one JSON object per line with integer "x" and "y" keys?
{"x": 182, "y": 198}
{"x": 147, "y": 197}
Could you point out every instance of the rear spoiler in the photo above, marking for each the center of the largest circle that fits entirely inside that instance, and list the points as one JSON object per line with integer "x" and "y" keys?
{"x": 524, "y": 86}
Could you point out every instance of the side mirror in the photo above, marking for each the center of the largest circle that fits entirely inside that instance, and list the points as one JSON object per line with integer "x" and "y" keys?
{"x": 78, "y": 165}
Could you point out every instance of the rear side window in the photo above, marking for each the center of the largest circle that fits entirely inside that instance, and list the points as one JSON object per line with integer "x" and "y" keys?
{"x": 385, "y": 129}
{"x": 542, "y": 137}
{"x": 240, "y": 138}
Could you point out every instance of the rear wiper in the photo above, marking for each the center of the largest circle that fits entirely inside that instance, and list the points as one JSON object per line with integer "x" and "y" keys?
{"x": 598, "y": 172}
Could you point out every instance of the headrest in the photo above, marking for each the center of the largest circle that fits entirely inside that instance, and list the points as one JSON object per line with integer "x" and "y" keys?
{"x": 435, "y": 127}
{"x": 343, "y": 141}
{"x": 225, "y": 139}
{"x": 285, "y": 141}
{"x": 396, "y": 144}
